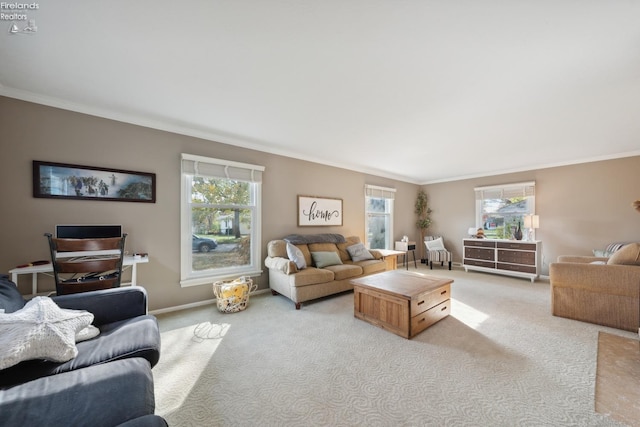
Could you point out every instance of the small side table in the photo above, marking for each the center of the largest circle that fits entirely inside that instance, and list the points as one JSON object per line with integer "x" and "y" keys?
{"x": 390, "y": 257}
{"x": 407, "y": 247}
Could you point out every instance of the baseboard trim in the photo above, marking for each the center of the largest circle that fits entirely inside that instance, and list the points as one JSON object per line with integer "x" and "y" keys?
{"x": 196, "y": 304}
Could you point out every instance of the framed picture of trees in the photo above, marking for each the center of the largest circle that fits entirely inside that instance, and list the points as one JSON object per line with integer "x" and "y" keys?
{"x": 65, "y": 181}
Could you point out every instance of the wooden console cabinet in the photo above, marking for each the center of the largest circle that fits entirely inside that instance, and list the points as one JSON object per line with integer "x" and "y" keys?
{"x": 510, "y": 257}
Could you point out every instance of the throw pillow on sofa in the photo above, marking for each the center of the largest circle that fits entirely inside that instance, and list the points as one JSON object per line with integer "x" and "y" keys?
{"x": 359, "y": 252}
{"x": 40, "y": 330}
{"x": 295, "y": 254}
{"x": 627, "y": 255}
{"x": 325, "y": 259}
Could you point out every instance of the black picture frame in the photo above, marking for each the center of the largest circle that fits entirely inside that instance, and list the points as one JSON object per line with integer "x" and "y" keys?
{"x": 77, "y": 182}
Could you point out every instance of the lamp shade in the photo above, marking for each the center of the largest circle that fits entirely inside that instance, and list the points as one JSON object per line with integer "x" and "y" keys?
{"x": 535, "y": 221}
{"x": 531, "y": 221}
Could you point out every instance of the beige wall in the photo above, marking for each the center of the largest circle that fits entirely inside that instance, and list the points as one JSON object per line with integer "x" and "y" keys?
{"x": 581, "y": 207}
{"x": 36, "y": 132}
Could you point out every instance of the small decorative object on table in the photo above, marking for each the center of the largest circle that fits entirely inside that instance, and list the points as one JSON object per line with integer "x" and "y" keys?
{"x": 518, "y": 233}
{"x": 233, "y": 295}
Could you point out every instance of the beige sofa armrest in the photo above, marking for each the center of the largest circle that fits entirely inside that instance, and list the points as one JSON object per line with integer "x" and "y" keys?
{"x": 581, "y": 259}
{"x": 285, "y": 265}
{"x": 375, "y": 253}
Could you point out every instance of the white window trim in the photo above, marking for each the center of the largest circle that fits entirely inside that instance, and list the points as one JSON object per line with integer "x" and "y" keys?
{"x": 525, "y": 186}
{"x": 378, "y": 192}
{"x": 187, "y": 278}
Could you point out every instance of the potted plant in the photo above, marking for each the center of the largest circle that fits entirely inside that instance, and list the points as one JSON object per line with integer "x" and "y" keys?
{"x": 424, "y": 220}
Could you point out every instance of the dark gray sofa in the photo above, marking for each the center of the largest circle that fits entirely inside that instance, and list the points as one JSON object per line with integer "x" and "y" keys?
{"x": 108, "y": 383}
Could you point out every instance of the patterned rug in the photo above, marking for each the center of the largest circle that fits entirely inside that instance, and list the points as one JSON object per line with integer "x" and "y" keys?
{"x": 618, "y": 378}
{"x": 500, "y": 359}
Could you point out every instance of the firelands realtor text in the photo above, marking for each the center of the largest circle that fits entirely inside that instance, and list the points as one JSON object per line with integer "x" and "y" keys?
{"x": 12, "y": 11}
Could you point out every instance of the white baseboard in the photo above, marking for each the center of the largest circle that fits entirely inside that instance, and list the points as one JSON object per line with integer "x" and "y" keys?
{"x": 196, "y": 304}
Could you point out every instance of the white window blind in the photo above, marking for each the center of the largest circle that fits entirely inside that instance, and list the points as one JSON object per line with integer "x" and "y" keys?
{"x": 207, "y": 166}
{"x": 379, "y": 192}
{"x": 507, "y": 191}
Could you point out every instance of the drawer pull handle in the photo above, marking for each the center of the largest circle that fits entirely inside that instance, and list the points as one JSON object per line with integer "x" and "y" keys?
{"x": 421, "y": 302}
{"x": 443, "y": 308}
{"x": 421, "y": 320}
{"x": 443, "y": 292}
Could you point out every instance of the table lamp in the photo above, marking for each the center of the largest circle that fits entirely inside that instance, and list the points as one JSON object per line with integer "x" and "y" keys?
{"x": 531, "y": 222}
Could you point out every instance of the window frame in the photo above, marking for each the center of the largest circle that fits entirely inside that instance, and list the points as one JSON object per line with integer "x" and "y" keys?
{"x": 504, "y": 191}
{"x": 220, "y": 169}
{"x": 377, "y": 192}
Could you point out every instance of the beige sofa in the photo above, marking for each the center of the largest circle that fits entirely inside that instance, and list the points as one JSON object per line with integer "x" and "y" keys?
{"x": 600, "y": 290}
{"x": 311, "y": 282}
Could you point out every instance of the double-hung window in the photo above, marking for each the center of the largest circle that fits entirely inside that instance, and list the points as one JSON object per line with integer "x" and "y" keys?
{"x": 220, "y": 219}
{"x": 379, "y": 216}
{"x": 500, "y": 209}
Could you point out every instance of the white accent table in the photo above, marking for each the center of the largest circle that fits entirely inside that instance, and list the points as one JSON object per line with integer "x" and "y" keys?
{"x": 47, "y": 269}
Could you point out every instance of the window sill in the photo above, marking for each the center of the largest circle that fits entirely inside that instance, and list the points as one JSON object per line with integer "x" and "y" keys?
{"x": 210, "y": 280}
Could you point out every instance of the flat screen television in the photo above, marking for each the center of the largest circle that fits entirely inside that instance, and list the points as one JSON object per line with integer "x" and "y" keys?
{"x": 88, "y": 231}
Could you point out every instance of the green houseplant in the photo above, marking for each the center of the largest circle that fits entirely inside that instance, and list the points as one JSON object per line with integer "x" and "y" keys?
{"x": 424, "y": 219}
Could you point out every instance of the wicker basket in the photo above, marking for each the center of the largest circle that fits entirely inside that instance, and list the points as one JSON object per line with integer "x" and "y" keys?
{"x": 233, "y": 295}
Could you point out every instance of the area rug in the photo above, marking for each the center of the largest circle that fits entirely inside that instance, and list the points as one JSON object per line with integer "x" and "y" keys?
{"x": 618, "y": 378}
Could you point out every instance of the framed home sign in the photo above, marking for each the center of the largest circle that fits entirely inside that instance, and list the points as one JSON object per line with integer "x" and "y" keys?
{"x": 65, "y": 181}
{"x": 318, "y": 211}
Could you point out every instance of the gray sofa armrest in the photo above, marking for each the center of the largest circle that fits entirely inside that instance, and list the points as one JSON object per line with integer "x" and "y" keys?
{"x": 108, "y": 305}
{"x": 101, "y": 395}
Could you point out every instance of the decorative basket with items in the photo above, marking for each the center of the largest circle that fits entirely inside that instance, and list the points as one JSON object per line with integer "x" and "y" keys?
{"x": 233, "y": 295}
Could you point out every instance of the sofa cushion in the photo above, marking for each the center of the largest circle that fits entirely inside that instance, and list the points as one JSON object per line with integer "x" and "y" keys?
{"x": 296, "y": 255}
{"x": 277, "y": 249}
{"x": 372, "y": 266}
{"x": 135, "y": 337}
{"x": 627, "y": 255}
{"x": 345, "y": 271}
{"x": 323, "y": 259}
{"x": 40, "y": 330}
{"x": 102, "y": 395}
{"x": 311, "y": 276}
{"x": 10, "y": 298}
{"x": 359, "y": 252}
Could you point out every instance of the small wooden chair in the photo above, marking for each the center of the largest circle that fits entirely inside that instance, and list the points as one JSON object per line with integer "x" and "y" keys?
{"x": 81, "y": 265}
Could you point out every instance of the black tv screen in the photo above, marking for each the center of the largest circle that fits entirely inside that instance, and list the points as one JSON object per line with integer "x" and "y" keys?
{"x": 88, "y": 231}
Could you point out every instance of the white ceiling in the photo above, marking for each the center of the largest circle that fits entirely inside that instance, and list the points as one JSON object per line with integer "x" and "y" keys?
{"x": 422, "y": 91}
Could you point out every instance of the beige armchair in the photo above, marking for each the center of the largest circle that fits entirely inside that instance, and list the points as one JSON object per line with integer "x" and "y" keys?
{"x": 604, "y": 291}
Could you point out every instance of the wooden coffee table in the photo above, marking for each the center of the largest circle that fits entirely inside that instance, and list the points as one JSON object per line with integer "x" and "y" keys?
{"x": 402, "y": 302}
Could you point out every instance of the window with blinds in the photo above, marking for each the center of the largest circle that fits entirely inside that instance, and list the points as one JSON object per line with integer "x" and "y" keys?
{"x": 379, "y": 216}
{"x": 501, "y": 208}
{"x": 220, "y": 219}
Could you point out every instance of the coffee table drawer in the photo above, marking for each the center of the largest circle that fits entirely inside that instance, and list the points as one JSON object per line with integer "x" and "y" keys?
{"x": 422, "y": 321}
{"x": 429, "y": 299}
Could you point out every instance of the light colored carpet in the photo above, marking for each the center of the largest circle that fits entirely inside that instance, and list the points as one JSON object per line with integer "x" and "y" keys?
{"x": 500, "y": 359}
{"x": 618, "y": 378}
